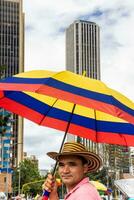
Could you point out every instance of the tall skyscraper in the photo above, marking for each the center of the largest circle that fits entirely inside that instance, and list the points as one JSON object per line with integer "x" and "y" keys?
{"x": 12, "y": 57}
{"x": 83, "y": 55}
{"x": 83, "y": 48}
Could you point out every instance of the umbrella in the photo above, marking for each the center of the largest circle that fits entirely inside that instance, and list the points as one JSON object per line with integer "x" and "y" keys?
{"x": 99, "y": 186}
{"x": 55, "y": 113}
{"x": 3, "y": 196}
{"x": 74, "y": 88}
{"x": 66, "y": 118}
{"x": 126, "y": 186}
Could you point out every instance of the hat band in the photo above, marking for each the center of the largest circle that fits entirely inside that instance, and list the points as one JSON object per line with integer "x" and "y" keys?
{"x": 72, "y": 147}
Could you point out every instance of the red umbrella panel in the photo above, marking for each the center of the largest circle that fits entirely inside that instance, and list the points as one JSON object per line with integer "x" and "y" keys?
{"x": 74, "y": 88}
{"x": 55, "y": 113}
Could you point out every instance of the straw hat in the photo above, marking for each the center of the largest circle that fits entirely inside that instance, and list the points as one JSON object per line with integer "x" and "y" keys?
{"x": 78, "y": 149}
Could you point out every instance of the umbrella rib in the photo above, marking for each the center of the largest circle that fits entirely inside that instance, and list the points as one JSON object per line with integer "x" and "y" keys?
{"x": 47, "y": 112}
{"x": 124, "y": 139}
{"x": 64, "y": 137}
{"x": 95, "y": 125}
{"x": 97, "y": 134}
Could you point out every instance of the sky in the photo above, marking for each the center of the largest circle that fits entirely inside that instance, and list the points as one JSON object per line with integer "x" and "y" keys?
{"x": 45, "y": 24}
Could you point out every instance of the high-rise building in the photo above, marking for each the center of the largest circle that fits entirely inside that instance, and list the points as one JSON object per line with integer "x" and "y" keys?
{"x": 12, "y": 57}
{"x": 83, "y": 48}
{"x": 83, "y": 55}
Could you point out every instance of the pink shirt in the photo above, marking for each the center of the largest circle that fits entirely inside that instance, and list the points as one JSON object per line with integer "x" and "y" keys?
{"x": 83, "y": 191}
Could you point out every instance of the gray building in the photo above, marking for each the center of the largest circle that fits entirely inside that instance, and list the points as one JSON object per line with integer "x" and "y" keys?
{"x": 83, "y": 55}
{"x": 83, "y": 48}
{"x": 12, "y": 57}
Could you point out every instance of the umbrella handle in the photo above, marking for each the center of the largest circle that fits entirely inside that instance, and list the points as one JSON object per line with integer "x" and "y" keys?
{"x": 45, "y": 195}
{"x": 45, "y": 192}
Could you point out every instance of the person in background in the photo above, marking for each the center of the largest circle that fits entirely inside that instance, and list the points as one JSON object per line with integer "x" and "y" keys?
{"x": 74, "y": 162}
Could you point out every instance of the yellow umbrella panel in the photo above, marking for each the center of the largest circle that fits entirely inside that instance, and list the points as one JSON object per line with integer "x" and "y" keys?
{"x": 99, "y": 186}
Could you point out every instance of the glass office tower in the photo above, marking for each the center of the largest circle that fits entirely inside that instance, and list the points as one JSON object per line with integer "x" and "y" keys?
{"x": 12, "y": 58}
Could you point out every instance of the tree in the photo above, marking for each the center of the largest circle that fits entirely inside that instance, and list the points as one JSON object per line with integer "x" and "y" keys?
{"x": 99, "y": 176}
{"x": 3, "y": 118}
{"x": 2, "y": 71}
{"x": 3, "y": 122}
{"x": 29, "y": 173}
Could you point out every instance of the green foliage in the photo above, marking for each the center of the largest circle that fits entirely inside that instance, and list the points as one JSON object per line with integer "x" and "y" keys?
{"x": 2, "y": 71}
{"x": 4, "y": 119}
{"x": 104, "y": 177}
{"x": 99, "y": 176}
{"x": 28, "y": 173}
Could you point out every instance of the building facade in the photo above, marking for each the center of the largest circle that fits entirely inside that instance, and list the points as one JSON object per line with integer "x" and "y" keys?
{"x": 12, "y": 59}
{"x": 83, "y": 48}
{"x": 83, "y": 56}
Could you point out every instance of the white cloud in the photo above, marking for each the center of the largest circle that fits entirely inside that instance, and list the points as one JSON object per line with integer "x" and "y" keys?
{"x": 45, "y": 49}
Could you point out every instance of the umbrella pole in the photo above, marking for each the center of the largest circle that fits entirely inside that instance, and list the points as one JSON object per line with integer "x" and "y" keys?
{"x": 64, "y": 137}
{"x": 46, "y": 193}
{"x": 95, "y": 118}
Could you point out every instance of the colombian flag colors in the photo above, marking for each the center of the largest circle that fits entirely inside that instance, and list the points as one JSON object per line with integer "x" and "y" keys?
{"x": 55, "y": 113}
{"x": 73, "y": 88}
